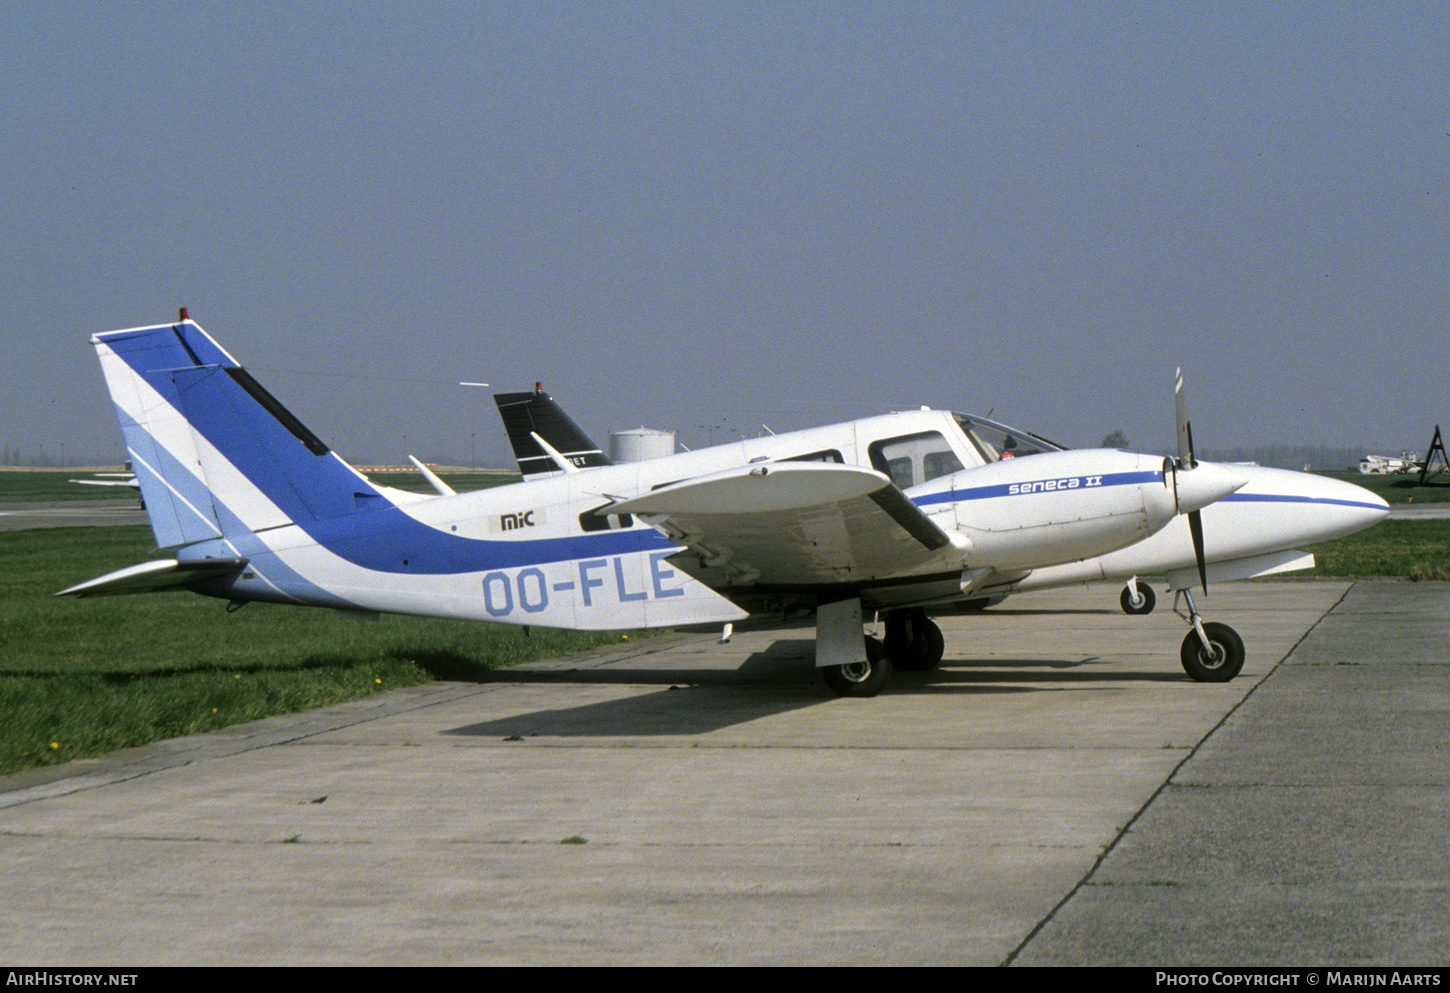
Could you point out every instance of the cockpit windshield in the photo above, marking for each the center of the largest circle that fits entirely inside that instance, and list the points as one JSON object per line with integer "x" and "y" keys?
{"x": 996, "y": 441}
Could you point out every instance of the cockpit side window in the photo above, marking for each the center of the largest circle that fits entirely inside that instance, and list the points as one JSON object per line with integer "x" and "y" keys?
{"x": 997, "y": 442}
{"x": 913, "y": 459}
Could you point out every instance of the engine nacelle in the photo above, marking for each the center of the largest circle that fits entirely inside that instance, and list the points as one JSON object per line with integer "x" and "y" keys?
{"x": 1061, "y": 506}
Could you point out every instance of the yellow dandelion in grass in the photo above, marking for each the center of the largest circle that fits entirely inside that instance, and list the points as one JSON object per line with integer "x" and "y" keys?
{"x": 55, "y": 744}
{"x": 625, "y": 637}
{"x": 377, "y": 680}
{"x": 237, "y": 677}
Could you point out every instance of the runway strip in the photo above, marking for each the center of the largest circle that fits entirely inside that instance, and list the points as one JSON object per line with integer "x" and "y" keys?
{"x": 1419, "y": 512}
{"x": 723, "y": 808}
{"x": 70, "y": 514}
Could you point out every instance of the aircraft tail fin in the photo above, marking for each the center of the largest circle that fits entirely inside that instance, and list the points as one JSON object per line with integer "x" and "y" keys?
{"x": 215, "y": 454}
{"x": 528, "y": 414}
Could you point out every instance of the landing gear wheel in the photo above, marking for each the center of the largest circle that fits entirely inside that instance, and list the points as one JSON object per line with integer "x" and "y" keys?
{"x": 1143, "y": 605}
{"x": 860, "y": 678}
{"x": 913, "y": 641}
{"x": 1225, "y": 662}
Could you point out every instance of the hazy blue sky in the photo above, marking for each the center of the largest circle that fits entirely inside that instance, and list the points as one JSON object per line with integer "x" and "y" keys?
{"x": 723, "y": 214}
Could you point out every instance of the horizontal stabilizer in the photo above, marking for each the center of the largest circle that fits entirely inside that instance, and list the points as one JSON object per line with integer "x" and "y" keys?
{"x": 152, "y": 577}
{"x": 133, "y": 484}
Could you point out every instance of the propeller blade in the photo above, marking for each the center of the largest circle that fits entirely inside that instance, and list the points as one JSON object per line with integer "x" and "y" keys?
{"x": 1185, "y": 433}
{"x": 1195, "y": 528}
{"x": 1195, "y": 486}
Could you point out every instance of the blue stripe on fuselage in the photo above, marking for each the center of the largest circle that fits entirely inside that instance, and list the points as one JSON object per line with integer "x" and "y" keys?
{"x": 1128, "y": 479}
{"x": 1033, "y": 486}
{"x": 389, "y": 540}
{"x": 1298, "y": 498}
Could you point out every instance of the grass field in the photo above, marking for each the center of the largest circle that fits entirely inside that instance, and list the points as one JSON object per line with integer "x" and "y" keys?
{"x": 84, "y": 677}
{"x": 1399, "y": 489}
{"x": 25, "y": 486}
{"x": 28, "y": 485}
{"x": 1418, "y": 550}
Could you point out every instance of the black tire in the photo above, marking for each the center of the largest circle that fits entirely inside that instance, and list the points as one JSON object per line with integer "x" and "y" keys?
{"x": 1227, "y": 658}
{"x": 861, "y": 679}
{"x": 1146, "y": 600}
{"x": 913, "y": 641}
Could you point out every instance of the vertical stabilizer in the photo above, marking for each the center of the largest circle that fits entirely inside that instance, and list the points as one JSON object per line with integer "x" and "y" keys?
{"x": 526, "y": 415}
{"x": 214, "y": 452}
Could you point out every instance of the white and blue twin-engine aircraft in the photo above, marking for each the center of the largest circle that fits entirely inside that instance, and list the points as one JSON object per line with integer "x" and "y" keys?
{"x": 896, "y": 513}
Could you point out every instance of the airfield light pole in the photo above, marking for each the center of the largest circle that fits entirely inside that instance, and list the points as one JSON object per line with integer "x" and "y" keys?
{"x": 472, "y": 436}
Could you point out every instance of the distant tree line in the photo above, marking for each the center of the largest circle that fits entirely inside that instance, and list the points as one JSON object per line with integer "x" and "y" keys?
{"x": 1318, "y": 457}
{"x": 32, "y": 455}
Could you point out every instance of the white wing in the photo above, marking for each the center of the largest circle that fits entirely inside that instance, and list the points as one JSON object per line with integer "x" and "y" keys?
{"x": 792, "y": 524}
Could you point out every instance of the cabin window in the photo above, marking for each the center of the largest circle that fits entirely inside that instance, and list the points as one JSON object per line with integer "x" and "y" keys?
{"x": 913, "y": 459}
{"x": 590, "y": 521}
{"x": 828, "y": 455}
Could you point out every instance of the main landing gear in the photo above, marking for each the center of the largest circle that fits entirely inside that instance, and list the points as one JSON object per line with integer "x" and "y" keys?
{"x": 1212, "y": 652}
{"x": 864, "y": 678}
{"x": 913, "y": 641}
{"x": 855, "y": 666}
{"x": 1137, "y": 599}
{"x": 850, "y": 664}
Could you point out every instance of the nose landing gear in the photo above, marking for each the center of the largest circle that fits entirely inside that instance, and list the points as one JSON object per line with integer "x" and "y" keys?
{"x": 1212, "y": 652}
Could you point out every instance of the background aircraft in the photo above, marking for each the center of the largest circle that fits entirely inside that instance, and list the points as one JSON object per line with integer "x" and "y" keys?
{"x": 255, "y": 506}
{"x": 127, "y": 479}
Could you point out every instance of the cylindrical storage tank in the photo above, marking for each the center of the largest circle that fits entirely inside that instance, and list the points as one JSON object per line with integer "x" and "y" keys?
{"x": 639, "y": 444}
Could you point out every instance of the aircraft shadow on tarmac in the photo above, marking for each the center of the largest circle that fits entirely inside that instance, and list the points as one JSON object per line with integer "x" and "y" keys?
{"x": 778, "y": 680}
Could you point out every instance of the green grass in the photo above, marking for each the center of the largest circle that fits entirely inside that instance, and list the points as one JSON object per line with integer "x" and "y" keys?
{"x": 85, "y": 677}
{"x": 1399, "y": 488}
{"x": 23, "y": 486}
{"x": 26, "y": 485}
{"x": 1404, "y": 549}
